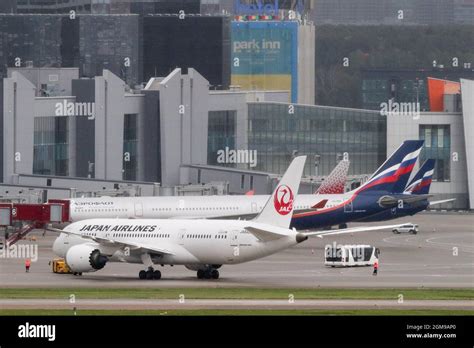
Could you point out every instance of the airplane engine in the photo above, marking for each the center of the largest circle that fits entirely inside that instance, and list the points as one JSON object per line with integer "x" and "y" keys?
{"x": 85, "y": 258}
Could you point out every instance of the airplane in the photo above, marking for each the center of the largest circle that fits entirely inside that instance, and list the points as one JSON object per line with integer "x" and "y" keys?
{"x": 383, "y": 189}
{"x": 419, "y": 186}
{"x": 201, "y": 245}
{"x": 311, "y": 211}
{"x": 335, "y": 182}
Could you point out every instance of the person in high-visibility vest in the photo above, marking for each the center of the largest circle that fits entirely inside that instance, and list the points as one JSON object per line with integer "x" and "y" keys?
{"x": 376, "y": 267}
{"x": 27, "y": 265}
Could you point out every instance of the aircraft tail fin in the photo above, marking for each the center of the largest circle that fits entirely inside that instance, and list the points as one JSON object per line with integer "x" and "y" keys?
{"x": 279, "y": 208}
{"x": 393, "y": 174}
{"x": 334, "y": 182}
{"x": 420, "y": 184}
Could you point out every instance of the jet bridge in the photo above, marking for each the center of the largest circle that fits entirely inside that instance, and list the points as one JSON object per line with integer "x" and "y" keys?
{"x": 32, "y": 216}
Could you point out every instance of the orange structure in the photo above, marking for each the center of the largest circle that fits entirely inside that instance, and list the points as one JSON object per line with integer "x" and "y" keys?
{"x": 437, "y": 88}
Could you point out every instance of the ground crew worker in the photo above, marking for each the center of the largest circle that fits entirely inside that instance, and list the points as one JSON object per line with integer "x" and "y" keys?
{"x": 376, "y": 267}
{"x": 27, "y": 265}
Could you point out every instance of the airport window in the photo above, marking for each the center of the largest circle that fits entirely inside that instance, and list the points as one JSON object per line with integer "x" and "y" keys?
{"x": 50, "y": 146}
{"x": 437, "y": 146}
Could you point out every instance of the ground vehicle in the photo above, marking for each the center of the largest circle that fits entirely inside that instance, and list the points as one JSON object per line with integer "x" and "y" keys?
{"x": 60, "y": 266}
{"x": 407, "y": 228}
{"x": 350, "y": 255}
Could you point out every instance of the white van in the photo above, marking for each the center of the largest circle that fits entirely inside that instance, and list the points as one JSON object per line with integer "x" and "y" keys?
{"x": 408, "y": 228}
{"x": 350, "y": 255}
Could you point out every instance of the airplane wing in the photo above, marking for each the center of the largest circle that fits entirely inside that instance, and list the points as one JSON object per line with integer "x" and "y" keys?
{"x": 321, "y": 234}
{"x": 443, "y": 201}
{"x": 111, "y": 242}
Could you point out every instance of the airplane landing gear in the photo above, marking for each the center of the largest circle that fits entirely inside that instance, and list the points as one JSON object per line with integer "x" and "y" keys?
{"x": 149, "y": 274}
{"x": 210, "y": 273}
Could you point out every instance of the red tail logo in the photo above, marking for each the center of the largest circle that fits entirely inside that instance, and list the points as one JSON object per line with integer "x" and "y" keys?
{"x": 283, "y": 200}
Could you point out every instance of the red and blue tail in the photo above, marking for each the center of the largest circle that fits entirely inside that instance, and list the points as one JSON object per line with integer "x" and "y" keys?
{"x": 393, "y": 175}
{"x": 420, "y": 184}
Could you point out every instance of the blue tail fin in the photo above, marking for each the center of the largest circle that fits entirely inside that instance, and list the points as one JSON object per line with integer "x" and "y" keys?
{"x": 420, "y": 184}
{"x": 393, "y": 175}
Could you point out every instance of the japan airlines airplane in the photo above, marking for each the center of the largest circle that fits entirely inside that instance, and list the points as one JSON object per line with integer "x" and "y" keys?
{"x": 311, "y": 211}
{"x": 419, "y": 186}
{"x": 200, "y": 245}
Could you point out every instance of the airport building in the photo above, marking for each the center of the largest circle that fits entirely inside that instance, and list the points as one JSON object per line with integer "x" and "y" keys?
{"x": 176, "y": 131}
{"x": 406, "y": 85}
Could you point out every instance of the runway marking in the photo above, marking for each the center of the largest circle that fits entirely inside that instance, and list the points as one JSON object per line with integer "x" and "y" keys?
{"x": 450, "y": 245}
{"x": 436, "y": 245}
{"x": 122, "y": 304}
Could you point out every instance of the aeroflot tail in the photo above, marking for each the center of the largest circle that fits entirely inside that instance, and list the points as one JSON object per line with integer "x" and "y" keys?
{"x": 420, "y": 184}
{"x": 393, "y": 175}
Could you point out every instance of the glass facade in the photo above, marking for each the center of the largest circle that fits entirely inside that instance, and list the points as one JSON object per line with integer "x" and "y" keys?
{"x": 221, "y": 134}
{"x": 130, "y": 147}
{"x": 437, "y": 146}
{"x": 50, "y": 147}
{"x": 377, "y": 91}
{"x": 279, "y": 131}
{"x": 403, "y": 85}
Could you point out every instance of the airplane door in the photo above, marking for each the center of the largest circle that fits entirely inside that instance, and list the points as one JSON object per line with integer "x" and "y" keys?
{"x": 348, "y": 207}
{"x": 254, "y": 207}
{"x": 234, "y": 245}
{"x": 234, "y": 238}
{"x": 181, "y": 236}
{"x": 138, "y": 209}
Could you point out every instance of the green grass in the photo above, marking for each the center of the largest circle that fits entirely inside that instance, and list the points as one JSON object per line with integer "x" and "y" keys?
{"x": 236, "y": 293}
{"x": 233, "y": 312}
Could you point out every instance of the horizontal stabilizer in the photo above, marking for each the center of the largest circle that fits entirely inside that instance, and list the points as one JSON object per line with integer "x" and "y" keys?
{"x": 320, "y": 204}
{"x": 443, "y": 201}
{"x": 393, "y": 201}
{"x": 351, "y": 230}
{"x": 264, "y": 235}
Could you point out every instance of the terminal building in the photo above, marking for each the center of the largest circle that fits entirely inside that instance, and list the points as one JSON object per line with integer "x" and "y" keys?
{"x": 176, "y": 131}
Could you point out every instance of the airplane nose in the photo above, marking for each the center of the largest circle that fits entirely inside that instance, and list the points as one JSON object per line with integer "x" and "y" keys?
{"x": 58, "y": 246}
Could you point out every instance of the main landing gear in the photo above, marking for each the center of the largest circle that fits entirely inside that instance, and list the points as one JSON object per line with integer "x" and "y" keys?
{"x": 210, "y": 273}
{"x": 149, "y": 274}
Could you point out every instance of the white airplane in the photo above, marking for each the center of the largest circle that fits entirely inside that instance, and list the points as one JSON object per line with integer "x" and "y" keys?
{"x": 200, "y": 245}
{"x": 311, "y": 211}
{"x": 328, "y": 194}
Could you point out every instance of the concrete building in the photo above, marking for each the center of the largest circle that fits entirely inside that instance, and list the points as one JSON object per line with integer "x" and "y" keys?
{"x": 66, "y": 135}
{"x": 448, "y": 139}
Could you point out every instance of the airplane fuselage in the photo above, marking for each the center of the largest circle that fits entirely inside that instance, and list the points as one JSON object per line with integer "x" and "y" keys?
{"x": 183, "y": 242}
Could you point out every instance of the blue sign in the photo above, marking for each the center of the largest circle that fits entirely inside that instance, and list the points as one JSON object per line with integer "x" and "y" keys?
{"x": 258, "y": 9}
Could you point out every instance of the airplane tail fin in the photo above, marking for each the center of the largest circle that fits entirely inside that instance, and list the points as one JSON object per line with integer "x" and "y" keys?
{"x": 279, "y": 208}
{"x": 420, "y": 184}
{"x": 334, "y": 183}
{"x": 393, "y": 174}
